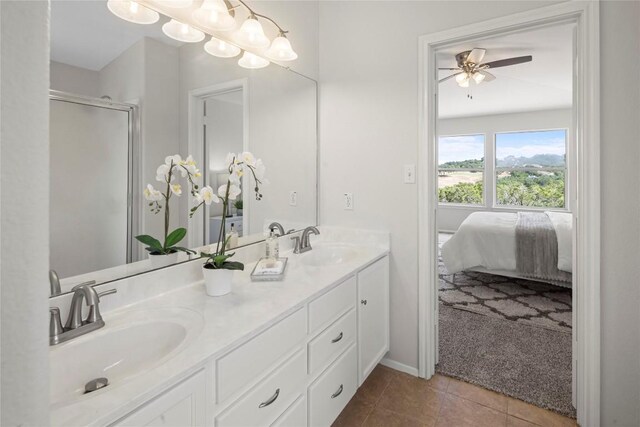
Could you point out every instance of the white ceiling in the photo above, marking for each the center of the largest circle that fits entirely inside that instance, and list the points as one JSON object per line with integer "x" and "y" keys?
{"x": 86, "y": 34}
{"x": 545, "y": 83}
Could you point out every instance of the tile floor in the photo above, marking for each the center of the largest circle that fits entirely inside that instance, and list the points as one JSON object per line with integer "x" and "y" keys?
{"x": 389, "y": 398}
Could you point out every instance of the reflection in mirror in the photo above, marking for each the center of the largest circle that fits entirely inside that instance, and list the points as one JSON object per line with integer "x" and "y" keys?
{"x": 124, "y": 97}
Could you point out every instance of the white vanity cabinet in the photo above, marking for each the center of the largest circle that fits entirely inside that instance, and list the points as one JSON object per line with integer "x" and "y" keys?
{"x": 373, "y": 316}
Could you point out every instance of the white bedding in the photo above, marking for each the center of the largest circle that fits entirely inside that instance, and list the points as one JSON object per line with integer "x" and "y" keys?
{"x": 488, "y": 240}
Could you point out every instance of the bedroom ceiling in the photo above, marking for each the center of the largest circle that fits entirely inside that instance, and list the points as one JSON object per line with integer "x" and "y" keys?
{"x": 545, "y": 83}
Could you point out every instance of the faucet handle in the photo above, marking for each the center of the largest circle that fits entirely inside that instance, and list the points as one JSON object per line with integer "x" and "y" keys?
{"x": 94, "y": 310}
{"x": 296, "y": 248}
{"x": 109, "y": 292}
{"x": 55, "y": 324}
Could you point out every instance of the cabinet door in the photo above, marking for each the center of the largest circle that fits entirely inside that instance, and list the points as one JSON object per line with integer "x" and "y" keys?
{"x": 181, "y": 406}
{"x": 373, "y": 316}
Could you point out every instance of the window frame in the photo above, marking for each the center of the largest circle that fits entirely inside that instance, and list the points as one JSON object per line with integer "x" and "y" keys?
{"x": 567, "y": 172}
{"x": 483, "y": 170}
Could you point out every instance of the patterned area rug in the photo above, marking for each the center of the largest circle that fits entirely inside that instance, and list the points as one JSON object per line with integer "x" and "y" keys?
{"x": 523, "y": 301}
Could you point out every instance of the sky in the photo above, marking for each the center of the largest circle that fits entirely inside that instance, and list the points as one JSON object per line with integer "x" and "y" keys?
{"x": 518, "y": 144}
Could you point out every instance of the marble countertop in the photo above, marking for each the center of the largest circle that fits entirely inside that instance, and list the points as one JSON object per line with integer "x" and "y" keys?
{"x": 227, "y": 321}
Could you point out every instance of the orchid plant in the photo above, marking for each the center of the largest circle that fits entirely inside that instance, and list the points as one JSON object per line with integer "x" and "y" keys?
{"x": 238, "y": 165}
{"x": 167, "y": 173}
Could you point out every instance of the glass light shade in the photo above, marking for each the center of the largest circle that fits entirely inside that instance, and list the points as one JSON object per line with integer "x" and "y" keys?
{"x": 478, "y": 77}
{"x": 464, "y": 83}
{"x": 177, "y": 4}
{"x": 462, "y": 77}
{"x": 251, "y": 34}
{"x": 132, "y": 11}
{"x": 213, "y": 14}
{"x": 182, "y": 32}
{"x": 221, "y": 49}
{"x": 249, "y": 60}
{"x": 281, "y": 50}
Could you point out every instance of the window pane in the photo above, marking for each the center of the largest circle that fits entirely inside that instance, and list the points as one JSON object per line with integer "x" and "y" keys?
{"x": 530, "y": 168}
{"x": 465, "y": 187}
{"x": 455, "y": 153}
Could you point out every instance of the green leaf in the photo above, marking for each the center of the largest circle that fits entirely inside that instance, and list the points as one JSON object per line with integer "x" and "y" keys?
{"x": 175, "y": 236}
{"x": 180, "y": 248}
{"x": 150, "y": 241}
{"x": 233, "y": 265}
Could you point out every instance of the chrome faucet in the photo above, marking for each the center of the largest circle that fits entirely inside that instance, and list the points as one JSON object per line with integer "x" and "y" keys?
{"x": 280, "y": 228}
{"x": 76, "y": 326}
{"x": 302, "y": 243}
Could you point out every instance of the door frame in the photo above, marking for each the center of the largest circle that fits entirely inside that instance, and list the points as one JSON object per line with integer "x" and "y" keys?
{"x": 585, "y": 15}
{"x": 198, "y": 229}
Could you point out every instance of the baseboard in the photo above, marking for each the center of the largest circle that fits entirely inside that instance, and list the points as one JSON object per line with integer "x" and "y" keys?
{"x": 399, "y": 366}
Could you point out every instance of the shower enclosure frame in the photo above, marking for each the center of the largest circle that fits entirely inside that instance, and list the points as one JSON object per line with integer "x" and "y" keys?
{"x": 133, "y": 173}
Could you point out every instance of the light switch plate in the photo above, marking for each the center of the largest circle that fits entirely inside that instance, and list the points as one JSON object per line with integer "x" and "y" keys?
{"x": 293, "y": 198}
{"x": 409, "y": 174}
{"x": 348, "y": 201}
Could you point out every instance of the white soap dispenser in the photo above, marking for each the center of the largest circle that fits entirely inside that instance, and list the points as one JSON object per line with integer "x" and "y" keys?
{"x": 232, "y": 238}
{"x": 272, "y": 246}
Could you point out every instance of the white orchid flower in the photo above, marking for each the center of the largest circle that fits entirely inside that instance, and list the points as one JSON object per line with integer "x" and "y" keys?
{"x": 259, "y": 169}
{"x": 232, "y": 159}
{"x": 207, "y": 196}
{"x": 248, "y": 158}
{"x": 189, "y": 166}
{"x": 162, "y": 173}
{"x": 234, "y": 191}
{"x": 176, "y": 159}
{"x": 176, "y": 189}
{"x": 152, "y": 194}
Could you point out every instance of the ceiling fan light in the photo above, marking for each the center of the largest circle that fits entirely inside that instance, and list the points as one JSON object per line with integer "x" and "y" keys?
{"x": 478, "y": 77}
{"x": 132, "y": 11}
{"x": 214, "y": 15}
{"x": 221, "y": 49}
{"x": 251, "y": 34}
{"x": 281, "y": 50}
{"x": 176, "y": 4}
{"x": 462, "y": 77}
{"x": 182, "y": 32}
{"x": 251, "y": 61}
{"x": 464, "y": 83}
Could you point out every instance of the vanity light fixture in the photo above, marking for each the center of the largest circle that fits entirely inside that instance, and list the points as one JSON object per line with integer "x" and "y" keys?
{"x": 182, "y": 32}
{"x": 221, "y": 48}
{"x": 132, "y": 11}
{"x": 280, "y": 49}
{"x": 214, "y": 15}
{"x": 177, "y": 4}
{"x": 251, "y": 34}
{"x": 251, "y": 61}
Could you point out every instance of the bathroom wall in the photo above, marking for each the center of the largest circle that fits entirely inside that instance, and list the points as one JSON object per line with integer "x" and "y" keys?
{"x": 68, "y": 78}
{"x": 450, "y": 217}
{"x": 369, "y": 130}
{"x": 24, "y": 171}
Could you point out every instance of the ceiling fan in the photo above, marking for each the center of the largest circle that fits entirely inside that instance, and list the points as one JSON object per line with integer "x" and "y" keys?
{"x": 470, "y": 66}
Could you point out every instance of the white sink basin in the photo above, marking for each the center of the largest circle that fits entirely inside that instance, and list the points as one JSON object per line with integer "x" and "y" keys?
{"x": 131, "y": 343}
{"x": 325, "y": 254}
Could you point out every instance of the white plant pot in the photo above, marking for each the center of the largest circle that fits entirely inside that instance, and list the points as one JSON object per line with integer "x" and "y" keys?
{"x": 159, "y": 261}
{"x": 218, "y": 282}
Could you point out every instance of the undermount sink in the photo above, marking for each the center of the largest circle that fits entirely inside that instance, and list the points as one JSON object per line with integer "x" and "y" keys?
{"x": 325, "y": 254}
{"x": 131, "y": 343}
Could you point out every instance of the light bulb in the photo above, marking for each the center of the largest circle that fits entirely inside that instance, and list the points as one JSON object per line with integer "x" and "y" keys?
{"x": 462, "y": 77}
{"x": 132, "y": 11}
{"x": 176, "y": 4}
{"x": 464, "y": 83}
{"x": 251, "y": 34}
{"x": 478, "y": 77}
{"x": 281, "y": 50}
{"x": 221, "y": 49}
{"x": 214, "y": 15}
{"x": 251, "y": 61}
{"x": 182, "y": 32}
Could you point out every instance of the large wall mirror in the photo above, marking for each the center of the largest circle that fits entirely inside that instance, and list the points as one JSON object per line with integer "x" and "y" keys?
{"x": 123, "y": 98}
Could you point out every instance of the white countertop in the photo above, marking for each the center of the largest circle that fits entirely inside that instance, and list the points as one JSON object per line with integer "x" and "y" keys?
{"x": 228, "y": 321}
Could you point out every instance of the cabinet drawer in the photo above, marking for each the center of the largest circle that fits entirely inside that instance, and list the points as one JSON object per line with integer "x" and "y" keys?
{"x": 330, "y": 305}
{"x": 295, "y": 416}
{"x": 246, "y": 363}
{"x": 332, "y": 391}
{"x": 270, "y": 398}
{"x": 324, "y": 348}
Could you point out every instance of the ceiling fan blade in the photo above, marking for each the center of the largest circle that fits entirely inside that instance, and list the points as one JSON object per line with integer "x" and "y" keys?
{"x": 476, "y": 56}
{"x": 448, "y": 77}
{"x": 507, "y": 62}
{"x": 449, "y": 69}
{"x": 488, "y": 77}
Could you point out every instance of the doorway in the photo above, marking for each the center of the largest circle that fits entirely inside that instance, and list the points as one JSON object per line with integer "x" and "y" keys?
{"x": 586, "y": 220}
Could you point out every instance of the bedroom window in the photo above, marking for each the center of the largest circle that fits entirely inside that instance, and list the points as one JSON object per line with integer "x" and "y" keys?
{"x": 531, "y": 168}
{"x": 461, "y": 169}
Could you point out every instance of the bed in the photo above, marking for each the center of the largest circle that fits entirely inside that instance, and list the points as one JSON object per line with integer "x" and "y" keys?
{"x": 530, "y": 245}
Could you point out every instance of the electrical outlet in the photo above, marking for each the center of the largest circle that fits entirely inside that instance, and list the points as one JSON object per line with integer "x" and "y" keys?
{"x": 293, "y": 198}
{"x": 348, "y": 201}
{"x": 409, "y": 174}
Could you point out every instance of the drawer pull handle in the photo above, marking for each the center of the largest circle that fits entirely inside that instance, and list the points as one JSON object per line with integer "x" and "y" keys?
{"x": 338, "y": 392}
{"x": 336, "y": 339}
{"x": 363, "y": 302}
{"x": 271, "y": 399}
